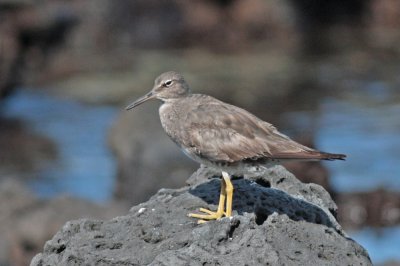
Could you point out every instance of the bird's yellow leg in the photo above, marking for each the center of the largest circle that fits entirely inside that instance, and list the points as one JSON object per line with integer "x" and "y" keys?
{"x": 229, "y": 194}
{"x": 210, "y": 215}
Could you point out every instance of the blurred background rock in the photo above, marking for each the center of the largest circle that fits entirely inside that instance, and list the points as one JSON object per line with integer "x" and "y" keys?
{"x": 326, "y": 73}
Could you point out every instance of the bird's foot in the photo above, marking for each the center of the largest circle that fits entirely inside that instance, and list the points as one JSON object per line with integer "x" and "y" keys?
{"x": 210, "y": 215}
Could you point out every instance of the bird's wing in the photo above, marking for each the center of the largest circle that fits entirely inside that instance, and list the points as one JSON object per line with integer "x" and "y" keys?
{"x": 221, "y": 132}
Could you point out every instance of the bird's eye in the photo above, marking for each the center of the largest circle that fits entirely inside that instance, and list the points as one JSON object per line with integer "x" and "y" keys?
{"x": 167, "y": 83}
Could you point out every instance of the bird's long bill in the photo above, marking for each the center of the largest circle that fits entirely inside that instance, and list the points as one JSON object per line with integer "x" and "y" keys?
{"x": 141, "y": 100}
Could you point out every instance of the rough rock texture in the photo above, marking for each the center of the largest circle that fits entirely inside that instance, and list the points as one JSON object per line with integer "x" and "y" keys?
{"x": 277, "y": 221}
{"x": 26, "y": 222}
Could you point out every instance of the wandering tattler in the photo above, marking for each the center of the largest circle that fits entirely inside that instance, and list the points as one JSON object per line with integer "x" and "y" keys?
{"x": 222, "y": 136}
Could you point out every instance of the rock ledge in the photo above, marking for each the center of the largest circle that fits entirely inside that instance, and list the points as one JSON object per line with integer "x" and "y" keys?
{"x": 277, "y": 221}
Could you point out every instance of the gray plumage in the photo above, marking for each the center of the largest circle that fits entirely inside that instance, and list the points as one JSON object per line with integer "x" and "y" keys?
{"x": 219, "y": 134}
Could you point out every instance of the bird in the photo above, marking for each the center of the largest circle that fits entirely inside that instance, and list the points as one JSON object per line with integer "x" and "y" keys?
{"x": 222, "y": 136}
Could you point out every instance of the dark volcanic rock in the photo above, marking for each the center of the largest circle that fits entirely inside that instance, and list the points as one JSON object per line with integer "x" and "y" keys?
{"x": 26, "y": 221}
{"x": 289, "y": 226}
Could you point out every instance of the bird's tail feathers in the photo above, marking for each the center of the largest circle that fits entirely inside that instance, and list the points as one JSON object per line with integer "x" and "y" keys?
{"x": 310, "y": 156}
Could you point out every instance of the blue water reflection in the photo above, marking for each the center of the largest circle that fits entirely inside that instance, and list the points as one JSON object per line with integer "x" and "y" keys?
{"x": 383, "y": 245}
{"x": 85, "y": 168}
{"x": 369, "y": 135}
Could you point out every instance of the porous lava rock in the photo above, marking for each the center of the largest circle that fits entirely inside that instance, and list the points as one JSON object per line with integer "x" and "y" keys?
{"x": 277, "y": 220}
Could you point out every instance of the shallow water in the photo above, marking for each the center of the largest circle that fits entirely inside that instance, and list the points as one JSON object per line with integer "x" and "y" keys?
{"x": 370, "y": 138}
{"x": 86, "y": 169}
{"x": 368, "y": 135}
{"x": 382, "y": 244}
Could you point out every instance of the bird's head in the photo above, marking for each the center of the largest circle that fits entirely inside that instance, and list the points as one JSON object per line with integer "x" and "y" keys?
{"x": 167, "y": 86}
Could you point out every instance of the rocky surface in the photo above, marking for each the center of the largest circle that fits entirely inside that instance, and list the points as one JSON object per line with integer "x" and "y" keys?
{"x": 26, "y": 222}
{"x": 277, "y": 221}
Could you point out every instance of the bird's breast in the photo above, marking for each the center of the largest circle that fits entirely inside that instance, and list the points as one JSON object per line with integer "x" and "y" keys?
{"x": 170, "y": 121}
